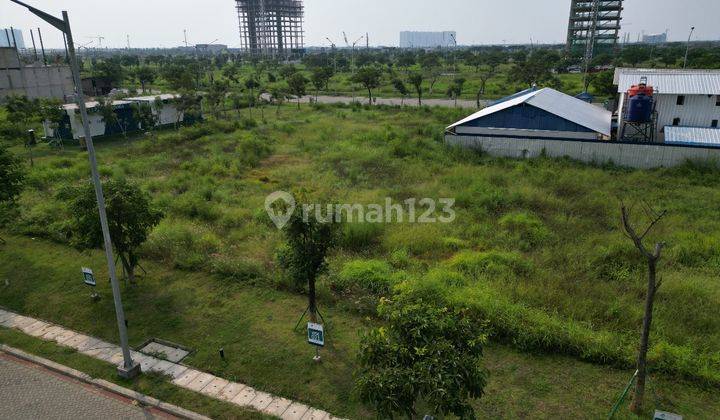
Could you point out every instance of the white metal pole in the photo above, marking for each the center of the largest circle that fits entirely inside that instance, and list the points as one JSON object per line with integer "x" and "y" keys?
{"x": 119, "y": 312}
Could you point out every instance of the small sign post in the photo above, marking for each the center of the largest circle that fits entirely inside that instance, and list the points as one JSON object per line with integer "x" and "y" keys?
{"x": 316, "y": 337}
{"x": 89, "y": 279}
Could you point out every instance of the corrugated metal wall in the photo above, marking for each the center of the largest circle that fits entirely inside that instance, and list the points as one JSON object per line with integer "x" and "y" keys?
{"x": 698, "y": 110}
{"x": 644, "y": 156}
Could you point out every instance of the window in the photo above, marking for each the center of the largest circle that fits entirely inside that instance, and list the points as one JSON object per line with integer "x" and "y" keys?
{"x": 717, "y": 100}
{"x": 681, "y": 100}
{"x": 676, "y": 122}
{"x": 714, "y": 124}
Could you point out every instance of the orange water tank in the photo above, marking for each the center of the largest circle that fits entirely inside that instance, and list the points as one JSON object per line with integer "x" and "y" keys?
{"x": 641, "y": 89}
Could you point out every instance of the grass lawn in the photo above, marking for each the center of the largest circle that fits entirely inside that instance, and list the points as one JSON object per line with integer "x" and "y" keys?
{"x": 254, "y": 325}
{"x": 536, "y": 251}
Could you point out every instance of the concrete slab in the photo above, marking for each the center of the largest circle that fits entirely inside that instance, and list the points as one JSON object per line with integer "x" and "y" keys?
{"x": 76, "y": 340}
{"x": 147, "y": 363}
{"x": 261, "y": 401}
{"x": 87, "y": 344}
{"x": 161, "y": 366}
{"x": 230, "y": 391}
{"x": 188, "y": 376}
{"x": 175, "y": 371}
{"x": 277, "y": 406}
{"x": 116, "y": 358}
{"x": 200, "y": 382}
{"x": 295, "y": 412}
{"x": 35, "y": 326}
{"x": 103, "y": 353}
{"x": 244, "y": 397}
{"x": 20, "y": 321}
{"x": 52, "y": 332}
{"x": 213, "y": 388}
{"x": 65, "y": 336}
{"x": 170, "y": 353}
{"x": 315, "y": 414}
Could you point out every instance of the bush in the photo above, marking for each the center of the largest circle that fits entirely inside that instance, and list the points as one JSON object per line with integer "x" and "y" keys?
{"x": 361, "y": 236}
{"x": 371, "y": 276}
{"x": 236, "y": 268}
{"x": 491, "y": 264}
{"x": 186, "y": 246}
{"x": 526, "y": 228}
{"x": 696, "y": 250}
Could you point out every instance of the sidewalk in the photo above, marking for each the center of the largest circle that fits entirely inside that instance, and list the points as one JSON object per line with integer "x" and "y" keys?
{"x": 37, "y": 388}
{"x": 182, "y": 376}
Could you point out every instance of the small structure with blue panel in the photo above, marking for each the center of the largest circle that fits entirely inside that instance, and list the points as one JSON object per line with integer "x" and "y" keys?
{"x": 544, "y": 113}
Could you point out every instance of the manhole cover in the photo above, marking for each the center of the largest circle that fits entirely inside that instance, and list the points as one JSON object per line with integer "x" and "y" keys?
{"x": 165, "y": 350}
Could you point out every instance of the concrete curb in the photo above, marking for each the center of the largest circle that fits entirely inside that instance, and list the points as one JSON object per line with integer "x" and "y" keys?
{"x": 108, "y": 386}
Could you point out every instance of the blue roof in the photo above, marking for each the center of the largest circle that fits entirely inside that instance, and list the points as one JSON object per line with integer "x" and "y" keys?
{"x": 696, "y": 136}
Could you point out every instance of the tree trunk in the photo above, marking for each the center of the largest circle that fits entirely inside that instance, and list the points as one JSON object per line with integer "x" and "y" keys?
{"x": 128, "y": 267}
{"x": 298, "y": 100}
{"x": 143, "y": 86}
{"x": 639, "y": 395}
{"x": 419, "y": 99}
{"x": 312, "y": 301}
{"x": 369, "y": 97}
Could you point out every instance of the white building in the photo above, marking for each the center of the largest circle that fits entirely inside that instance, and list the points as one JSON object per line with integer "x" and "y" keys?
{"x": 686, "y": 98}
{"x": 655, "y": 38}
{"x": 167, "y": 114}
{"x": 410, "y": 39}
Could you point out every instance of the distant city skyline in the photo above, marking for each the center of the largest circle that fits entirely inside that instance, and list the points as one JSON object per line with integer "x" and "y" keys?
{"x": 160, "y": 23}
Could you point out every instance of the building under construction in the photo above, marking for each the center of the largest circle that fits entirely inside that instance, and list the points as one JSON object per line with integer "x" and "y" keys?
{"x": 271, "y": 27}
{"x": 595, "y": 23}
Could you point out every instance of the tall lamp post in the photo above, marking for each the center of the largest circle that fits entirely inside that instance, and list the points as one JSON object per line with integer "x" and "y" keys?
{"x": 687, "y": 48}
{"x": 128, "y": 369}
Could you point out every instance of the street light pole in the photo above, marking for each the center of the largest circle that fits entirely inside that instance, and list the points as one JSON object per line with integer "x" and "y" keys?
{"x": 129, "y": 369}
{"x": 687, "y": 49}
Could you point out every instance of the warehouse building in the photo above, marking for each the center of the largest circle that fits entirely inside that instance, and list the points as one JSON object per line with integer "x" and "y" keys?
{"x": 682, "y": 98}
{"x": 543, "y": 113}
{"x": 409, "y": 39}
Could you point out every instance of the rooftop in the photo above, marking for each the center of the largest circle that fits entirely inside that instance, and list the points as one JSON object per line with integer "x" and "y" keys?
{"x": 671, "y": 81}
{"x": 695, "y": 136}
{"x": 554, "y": 102}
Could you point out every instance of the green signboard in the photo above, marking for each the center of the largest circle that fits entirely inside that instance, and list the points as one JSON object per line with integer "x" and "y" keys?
{"x": 316, "y": 334}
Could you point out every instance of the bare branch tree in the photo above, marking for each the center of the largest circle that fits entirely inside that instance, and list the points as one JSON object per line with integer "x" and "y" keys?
{"x": 652, "y": 258}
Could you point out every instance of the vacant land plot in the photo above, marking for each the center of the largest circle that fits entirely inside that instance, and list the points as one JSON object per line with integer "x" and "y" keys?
{"x": 536, "y": 250}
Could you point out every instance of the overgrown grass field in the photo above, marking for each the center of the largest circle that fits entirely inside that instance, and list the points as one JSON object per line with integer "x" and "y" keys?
{"x": 536, "y": 251}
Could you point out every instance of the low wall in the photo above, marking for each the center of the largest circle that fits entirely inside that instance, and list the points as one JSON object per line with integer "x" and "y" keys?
{"x": 634, "y": 155}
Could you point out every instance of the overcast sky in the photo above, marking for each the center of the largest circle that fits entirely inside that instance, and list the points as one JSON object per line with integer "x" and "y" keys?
{"x": 160, "y": 23}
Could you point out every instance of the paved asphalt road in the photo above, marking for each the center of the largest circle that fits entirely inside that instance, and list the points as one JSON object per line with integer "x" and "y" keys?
{"x": 28, "y": 391}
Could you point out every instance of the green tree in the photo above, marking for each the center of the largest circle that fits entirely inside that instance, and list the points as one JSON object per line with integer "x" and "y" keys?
{"x": 110, "y": 69}
{"x": 424, "y": 353}
{"x": 297, "y": 84}
{"x": 369, "y": 77}
{"x": 146, "y": 75}
{"x": 400, "y": 87}
{"x": 431, "y": 65}
{"x": 12, "y": 176}
{"x": 603, "y": 83}
{"x": 231, "y": 72}
{"x": 131, "y": 217}
{"x": 321, "y": 78}
{"x": 143, "y": 114}
{"x": 485, "y": 73}
{"x": 455, "y": 89}
{"x": 216, "y": 96}
{"x": 252, "y": 84}
{"x": 304, "y": 256}
{"x": 188, "y": 105}
{"x": 416, "y": 79}
{"x": 278, "y": 96}
{"x": 53, "y": 113}
{"x": 178, "y": 76}
{"x": 108, "y": 115}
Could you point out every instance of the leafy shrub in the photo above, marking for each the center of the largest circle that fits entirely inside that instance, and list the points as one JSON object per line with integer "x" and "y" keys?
{"x": 696, "y": 250}
{"x": 195, "y": 206}
{"x": 616, "y": 261}
{"x": 526, "y": 228}
{"x": 372, "y": 276}
{"x": 490, "y": 264}
{"x": 251, "y": 151}
{"x": 360, "y": 236}
{"x": 237, "y": 268}
{"x": 186, "y": 246}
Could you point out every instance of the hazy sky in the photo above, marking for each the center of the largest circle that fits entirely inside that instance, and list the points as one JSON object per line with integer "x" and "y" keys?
{"x": 160, "y": 23}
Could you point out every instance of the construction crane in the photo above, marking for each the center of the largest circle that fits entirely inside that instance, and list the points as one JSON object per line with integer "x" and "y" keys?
{"x": 99, "y": 38}
{"x": 346, "y": 41}
{"x": 332, "y": 44}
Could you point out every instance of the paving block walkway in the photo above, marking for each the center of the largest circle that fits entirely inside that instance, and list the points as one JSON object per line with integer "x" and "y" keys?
{"x": 181, "y": 375}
